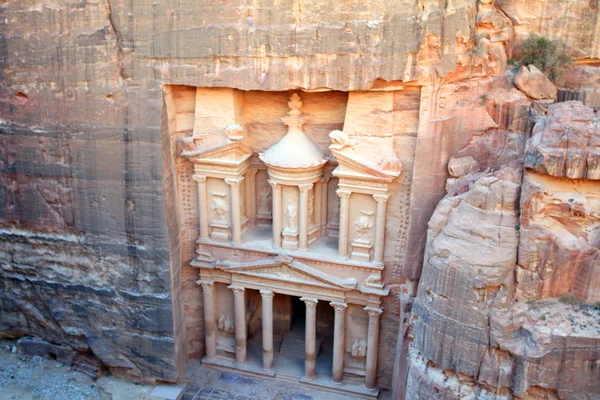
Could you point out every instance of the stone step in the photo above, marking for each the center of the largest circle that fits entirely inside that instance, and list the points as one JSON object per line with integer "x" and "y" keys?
{"x": 293, "y": 346}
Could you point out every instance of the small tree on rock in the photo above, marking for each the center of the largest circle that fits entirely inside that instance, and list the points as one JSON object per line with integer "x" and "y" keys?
{"x": 547, "y": 55}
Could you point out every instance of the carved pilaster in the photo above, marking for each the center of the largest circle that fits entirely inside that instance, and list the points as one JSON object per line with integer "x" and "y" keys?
{"x": 236, "y": 215}
{"x": 202, "y": 206}
{"x": 344, "y": 196}
{"x": 303, "y": 216}
{"x": 277, "y": 213}
{"x": 240, "y": 324}
{"x": 381, "y": 201}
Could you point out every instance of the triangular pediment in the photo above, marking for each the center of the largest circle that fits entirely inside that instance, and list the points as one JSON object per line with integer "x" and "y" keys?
{"x": 349, "y": 166}
{"x": 229, "y": 153}
{"x": 290, "y": 271}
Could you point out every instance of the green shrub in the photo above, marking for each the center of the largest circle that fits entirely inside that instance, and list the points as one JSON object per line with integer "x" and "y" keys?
{"x": 547, "y": 55}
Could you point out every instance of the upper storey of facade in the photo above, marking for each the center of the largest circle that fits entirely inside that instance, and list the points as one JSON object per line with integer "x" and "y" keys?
{"x": 322, "y": 204}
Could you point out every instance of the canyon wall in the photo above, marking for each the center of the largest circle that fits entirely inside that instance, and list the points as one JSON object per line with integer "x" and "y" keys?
{"x": 94, "y": 244}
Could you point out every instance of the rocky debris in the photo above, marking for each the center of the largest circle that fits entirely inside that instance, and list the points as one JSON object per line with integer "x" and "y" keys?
{"x": 534, "y": 83}
{"x": 459, "y": 167}
{"x": 31, "y": 346}
{"x": 566, "y": 143}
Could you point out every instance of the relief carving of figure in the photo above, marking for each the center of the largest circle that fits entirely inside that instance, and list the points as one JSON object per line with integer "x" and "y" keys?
{"x": 225, "y": 325}
{"x": 359, "y": 348}
{"x": 311, "y": 211}
{"x": 291, "y": 212}
{"x": 363, "y": 223}
{"x": 264, "y": 200}
{"x": 220, "y": 206}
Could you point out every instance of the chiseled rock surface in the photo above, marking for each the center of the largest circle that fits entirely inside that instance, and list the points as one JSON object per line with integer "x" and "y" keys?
{"x": 535, "y": 84}
{"x": 559, "y": 248}
{"x": 468, "y": 270}
{"x": 566, "y": 143}
{"x": 473, "y": 335}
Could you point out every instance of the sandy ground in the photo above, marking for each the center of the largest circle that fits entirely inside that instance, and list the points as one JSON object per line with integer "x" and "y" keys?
{"x": 29, "y": 378}
{"x": 36, "y": 378}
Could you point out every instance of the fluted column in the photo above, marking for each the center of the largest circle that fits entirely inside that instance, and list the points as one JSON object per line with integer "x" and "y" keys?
{"x": 317, "y": 205}
{"x": 236, "y": 216}
{"x": 324, "y": 200}
{"x": 344, "y": 218}
{"x": 276, "y": 213}
{"x": 310, "y": 361}
{"x": 239, "y": 304}
{"x": 303, "y": 216}
{"x": 210, "y": 338}
{"x": 252, "y": 189}
{"x": 381, "y": 201}
{"x": 202, "y": 206}
{"x": 372, "y": 348}
{"x": 267, "y": 329}
{"x": 339, "y": 340}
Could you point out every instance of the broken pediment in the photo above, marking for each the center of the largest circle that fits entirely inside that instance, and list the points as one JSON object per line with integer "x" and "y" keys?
{"x": 289, "y": 271}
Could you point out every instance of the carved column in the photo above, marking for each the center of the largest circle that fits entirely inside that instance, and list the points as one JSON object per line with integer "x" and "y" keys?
{"x": 381, "y": 201}
{"x": 339, "y": 340}
{"x": 344, "y": 218}
{"x": 267, "y": 329}
{"x": 303, "y": 216}
{"x": 317, "y": 205}
{"x": 202, "y": 206}
{"x": 372, "y": 348}
{"x": 210, "y": 338}
{"x": 236, "y": 217}
{"x": 310, "y": 349}
{"x": 240, "y": 324}
{"x": 324, "y": 200}
{"x": 252, "y": 189}
{"x": 276, "y": 213}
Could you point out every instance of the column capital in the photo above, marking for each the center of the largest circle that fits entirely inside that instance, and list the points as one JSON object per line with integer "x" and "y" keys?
{"x": 253, "y": 171}
{"x": 339, "y": 307}
{"x": 305, "y": 187}
{"x": 373, "y": 312}
{"x": 199, "y": 178}
{"x": 206, "y": 285}
{"x": 311, "y": 303}
{"x": 381, "y": 198}
{"x": 345, "y": 194}
{"x": 234, "y": 182}
{"x": 325, "y": 179}
{"x": 266, "y": 294}
{"x": 273, "y": 183}
{"x": 237, "y": 290}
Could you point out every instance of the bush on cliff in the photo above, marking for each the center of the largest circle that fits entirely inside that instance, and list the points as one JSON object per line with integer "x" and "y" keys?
{"x": 547, "y": 55}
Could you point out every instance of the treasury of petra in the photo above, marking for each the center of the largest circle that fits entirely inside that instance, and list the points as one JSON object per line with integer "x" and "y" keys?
{"x": 391, "y": 199}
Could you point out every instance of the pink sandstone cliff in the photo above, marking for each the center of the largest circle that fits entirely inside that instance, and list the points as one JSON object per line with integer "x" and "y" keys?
{"x": 94, "y": 248}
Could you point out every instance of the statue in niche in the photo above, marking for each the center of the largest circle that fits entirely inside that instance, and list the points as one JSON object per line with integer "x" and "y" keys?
{"x": 225, "y": 325}
{"x": 220, "y": 206}
{"x": 359, "y": 348}
{"x": 363, "y": 223}
{"x": 311, "y": 211}
{"x": 291, "y": 212}
{"x": 264, "y": 199}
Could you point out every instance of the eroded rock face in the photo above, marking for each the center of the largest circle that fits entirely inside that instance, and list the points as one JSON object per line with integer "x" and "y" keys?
{"x": 535, "y": 84}
{"x": 566, "y": 143}
{"x": 470, "y": 257}
{"x": 559, "y": 250}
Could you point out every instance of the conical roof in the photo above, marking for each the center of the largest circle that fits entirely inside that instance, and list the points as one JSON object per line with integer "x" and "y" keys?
{"x": 295, "y": 149}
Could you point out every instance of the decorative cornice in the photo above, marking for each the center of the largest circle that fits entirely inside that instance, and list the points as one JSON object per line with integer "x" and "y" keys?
{"x": 206, "y": 285}
{"x": 381, "y": 198}
{"x": 343, "y": 194}
{"x": 237, "y": 290}
{"x": 306, "y": 187}
{"x": 339, "y": 307}
{"x": 310, "y": 303}
{"x": 234, "y": 182}
{"x": 373, "y": 312}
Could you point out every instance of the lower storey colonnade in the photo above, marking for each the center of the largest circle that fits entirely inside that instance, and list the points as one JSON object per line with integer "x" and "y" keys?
{"x": 310, "y": 373}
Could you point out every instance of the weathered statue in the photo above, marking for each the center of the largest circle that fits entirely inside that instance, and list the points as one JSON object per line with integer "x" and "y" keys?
{"x": 291, "y": 212}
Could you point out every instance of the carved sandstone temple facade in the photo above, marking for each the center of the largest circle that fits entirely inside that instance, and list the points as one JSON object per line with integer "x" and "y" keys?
{"x": 291, "y": 280}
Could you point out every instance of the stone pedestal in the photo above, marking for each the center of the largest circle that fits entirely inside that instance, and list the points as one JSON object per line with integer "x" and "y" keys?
{"x": 361, "y": 250}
